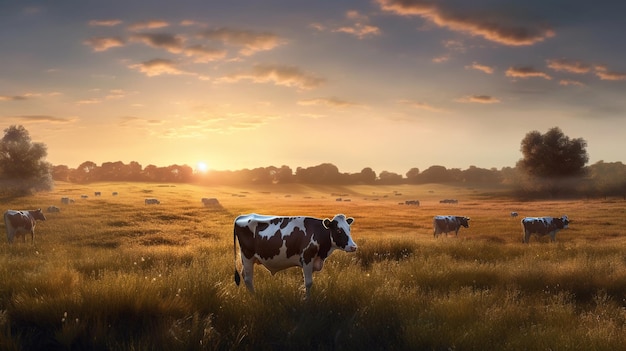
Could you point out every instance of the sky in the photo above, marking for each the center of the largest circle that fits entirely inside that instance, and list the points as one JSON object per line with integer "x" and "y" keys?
{"x": 386, "y": 84}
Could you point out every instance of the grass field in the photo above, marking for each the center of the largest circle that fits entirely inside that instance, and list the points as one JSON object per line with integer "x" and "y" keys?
{"x": 110, "y": 272}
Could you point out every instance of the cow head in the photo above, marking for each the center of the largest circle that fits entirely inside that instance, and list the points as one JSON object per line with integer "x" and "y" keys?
{"x": 340, "y": 232}
{"x": 565, "y": 221}
{"x": 37, "y": 214}
{"x": 464, "y": 221}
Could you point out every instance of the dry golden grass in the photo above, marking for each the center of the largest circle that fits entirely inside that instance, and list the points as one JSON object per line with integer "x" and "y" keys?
{"x": 110, "y": 272}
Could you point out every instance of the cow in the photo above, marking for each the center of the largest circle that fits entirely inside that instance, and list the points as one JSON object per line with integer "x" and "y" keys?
{"x": 210, "y": 201}
{"x": 97, "y": 193}
{"x": 151, "y": 201}
{"x": 65, "y": 200}
{"x": 543, "y": 226}
{"x": 412, "y": 202}
{"x": 22, "y": 222}
{"x": 514, "y": 214}
{"x": 279, "y": 243}
{"x": 449, "y": 201}
{"x": 53, "y": 209}
{"x": 445, "y": 224}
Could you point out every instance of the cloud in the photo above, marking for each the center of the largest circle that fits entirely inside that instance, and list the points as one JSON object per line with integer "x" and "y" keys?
{"x": 526, "y": 72}
{"x": 441, "y": 59}
{"x": 151, "y": 24}
{"x": 571, "y": 66}
{"x": 280, "y": 75}
{"x": 126, "y": 121}
{"x": 44, "y": 118}
{"x": 568, "y": 82}
{"x": 501, "y": 28}
{"x": 422, "y": 106}
{"x": 604, "y": 73}
{"x": 249, "y": 41}
{"x": 202, "y": 54}
{"x": 358, "y": 26}
{"x": 105, "y": 23}
{"x": 91, "y": 101}
{"x": 171, "y": 43}
{"x": 13, "y": 98}
{"x": 331, "y": 102}
{"x": 157, "y": 67}
{"x": 104, "y": 43}
{"x": 479, "y": 67}
{"x": 481, "y": 99}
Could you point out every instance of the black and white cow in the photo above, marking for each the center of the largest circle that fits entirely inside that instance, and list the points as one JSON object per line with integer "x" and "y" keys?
{"x": 279, "y": 243}
{"x": 543, "y": 226}
{"x": 445, "y": 224}
{"x": 22, "y": 222}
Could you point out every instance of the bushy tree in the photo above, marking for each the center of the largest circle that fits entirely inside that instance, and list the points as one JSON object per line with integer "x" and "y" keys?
{"x": 23, "y": 168}
{"x": 553, "y": 155}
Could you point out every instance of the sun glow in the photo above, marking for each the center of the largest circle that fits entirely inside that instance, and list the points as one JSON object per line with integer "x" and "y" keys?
{"x": 202, "y": 167}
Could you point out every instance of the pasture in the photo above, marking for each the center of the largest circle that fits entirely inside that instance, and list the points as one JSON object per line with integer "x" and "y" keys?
{"x": 111, "y": 272}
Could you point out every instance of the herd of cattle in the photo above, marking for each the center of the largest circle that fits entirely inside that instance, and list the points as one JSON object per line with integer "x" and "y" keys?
{"x": 278, "y": 242}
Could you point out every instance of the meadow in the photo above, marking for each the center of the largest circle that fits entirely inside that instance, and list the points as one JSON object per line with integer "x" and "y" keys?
{"x": 111, "y": 273}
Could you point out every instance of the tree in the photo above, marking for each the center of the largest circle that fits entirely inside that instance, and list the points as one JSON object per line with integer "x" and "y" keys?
{"x": 23, "y": 168}
{"x": 553, "y": 155}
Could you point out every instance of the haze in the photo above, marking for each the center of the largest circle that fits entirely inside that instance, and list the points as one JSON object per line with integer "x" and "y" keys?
{"x": 386, "y": 84}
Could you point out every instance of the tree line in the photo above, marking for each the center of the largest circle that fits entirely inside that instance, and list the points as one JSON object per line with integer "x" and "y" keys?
{"x": 552, "y": 164}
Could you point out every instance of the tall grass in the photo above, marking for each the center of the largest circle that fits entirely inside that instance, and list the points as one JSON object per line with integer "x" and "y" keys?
{"x": 112, "y": 273}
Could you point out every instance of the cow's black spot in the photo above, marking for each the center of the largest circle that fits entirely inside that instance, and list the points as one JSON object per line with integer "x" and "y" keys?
{"x": 296, "y": 241}
{"x": 268, "y": 247}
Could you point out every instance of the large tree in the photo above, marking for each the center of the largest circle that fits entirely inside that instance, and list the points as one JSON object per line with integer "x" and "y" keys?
{"x": 553, "y": 154}
{"x": 23, "y": 168}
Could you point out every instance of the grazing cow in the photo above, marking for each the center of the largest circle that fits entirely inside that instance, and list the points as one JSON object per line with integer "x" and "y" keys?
{"x": 115, "y": 193}
{"x": 83, "y": 196}
{"x": 282, "y": 242}
{"x": 449, "y": 201}
{"x": 445, "y": 224}
{"x": 152, "y": 201}
{"x": 412, "y": 202}
{"x": 65, "y": 200}
{"x": 210, "y": 201}
{"x": 53, "y": 209}
{"x": 22, "y": 222}
{"x": 97, "y": 193}
{"x": 543, "y": 226}
{"x": 514, "y": 214}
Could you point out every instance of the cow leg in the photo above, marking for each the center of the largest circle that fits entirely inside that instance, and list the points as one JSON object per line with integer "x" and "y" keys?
{"x": 526, "y": 237}
{"x": 307, "y": 270}
{"x": 248, "y": 273}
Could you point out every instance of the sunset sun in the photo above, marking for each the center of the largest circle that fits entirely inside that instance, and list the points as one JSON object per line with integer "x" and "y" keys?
{"x": 202, "y": 167}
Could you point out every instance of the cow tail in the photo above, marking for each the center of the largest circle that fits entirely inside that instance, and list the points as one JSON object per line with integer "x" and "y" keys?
{"x": 237, "y": 277}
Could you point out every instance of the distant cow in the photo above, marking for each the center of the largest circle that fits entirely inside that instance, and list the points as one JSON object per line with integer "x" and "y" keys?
{"x": 445, "y": 224}
{"x": 83, "y": 196}
{"x": 22, "y": 222}
{"x": 115, "y": 193}
{"x": 53, "y": 209}
{"x": 282, "y": 242}
{"x": 514, "y": 214}
{"x": 412, "y": 202}
{"x": 210, "y": 201}
{"x": 152, "y": 201}
{"x": 449, "y": 201}
{"x": 97, "y": 193}
{"x": 65, "y": 200}
{"x": 543, "y": 226}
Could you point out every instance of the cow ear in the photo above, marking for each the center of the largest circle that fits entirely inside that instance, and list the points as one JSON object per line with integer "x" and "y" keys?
{"x": 326, "y": 222}
{"x": 349, "y": 220}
